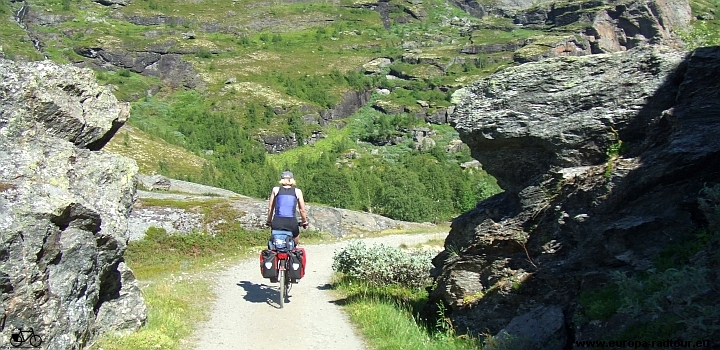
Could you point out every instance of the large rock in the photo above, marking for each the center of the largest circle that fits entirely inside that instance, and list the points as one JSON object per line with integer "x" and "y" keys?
{"x": 601, "y": 158}
{"x": 45, "y": 99}
{"x": 64, "y": 207}
{"x": 500, "y": 7}
{"x": 561, "y": 113}
{"x": 167, "y": 66}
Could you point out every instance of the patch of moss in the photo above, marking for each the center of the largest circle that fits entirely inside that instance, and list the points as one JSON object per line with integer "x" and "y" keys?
{"x": 602, "y": 303}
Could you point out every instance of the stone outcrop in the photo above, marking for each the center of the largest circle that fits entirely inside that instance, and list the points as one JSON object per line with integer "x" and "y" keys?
{"x": 167, "y": 66}
{"x": 351, "y": 101}
{"x": 481, "y": 9}
{"x": 251, "y": 213}
{"x": 64, "y": 207}
{"x": 610, "y": 26}
{"x": 601, "y": 158}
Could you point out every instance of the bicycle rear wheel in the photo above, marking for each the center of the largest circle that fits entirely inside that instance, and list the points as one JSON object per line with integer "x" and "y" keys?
{"x": 16, "y": 341}
{"x": 283, "y": 283}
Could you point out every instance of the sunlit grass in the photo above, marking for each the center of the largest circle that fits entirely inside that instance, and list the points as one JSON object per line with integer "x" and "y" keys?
{"x": 388, "y": 318}
{"x": 152, "y": 153}
{"x": 175, "y": 304}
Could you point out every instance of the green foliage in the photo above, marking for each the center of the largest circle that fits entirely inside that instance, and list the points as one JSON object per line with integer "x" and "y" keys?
{"x": 388, "y": 317}
{"x": 674, "y": 292}
{"x": 158, "y": 247}
{"x": 203, "y": 53}
{"x": 601, "y": 304}
{"x": 383, "y": 127}
{"x": 131, "y": 86}
{"x": 221, "y": 124}
{"x": 381, "y": 265}
{"x": 676, "y": 298}
{"x": 308, "y": 87}
{"x": 705, "y": 30}
{"x": 184, "y": 119}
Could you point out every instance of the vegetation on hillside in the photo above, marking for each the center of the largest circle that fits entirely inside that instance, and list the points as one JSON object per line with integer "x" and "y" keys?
{"x": 384, "y": 292}
{"x": 264, "y": 65}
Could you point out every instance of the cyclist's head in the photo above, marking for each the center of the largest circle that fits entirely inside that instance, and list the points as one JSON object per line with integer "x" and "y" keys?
{"x": 287, "y": 179}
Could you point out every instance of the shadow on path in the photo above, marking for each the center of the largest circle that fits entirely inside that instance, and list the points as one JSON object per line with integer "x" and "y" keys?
{"x": 262, "y": 293}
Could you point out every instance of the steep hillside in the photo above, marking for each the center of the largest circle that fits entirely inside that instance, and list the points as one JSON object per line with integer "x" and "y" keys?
{"x": 232, "y": 81}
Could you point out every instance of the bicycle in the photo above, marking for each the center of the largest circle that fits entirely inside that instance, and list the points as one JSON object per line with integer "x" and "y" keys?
{"x": 17, "y": 338}
{"x": 283, "y": 279}
{"x": 282, "y": 246}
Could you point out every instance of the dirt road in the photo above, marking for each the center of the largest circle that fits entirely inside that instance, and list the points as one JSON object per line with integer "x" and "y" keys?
{"x": 246, "y": 314}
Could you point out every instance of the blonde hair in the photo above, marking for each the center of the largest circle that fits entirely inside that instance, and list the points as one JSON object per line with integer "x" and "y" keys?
{"x": 287, "y": 181}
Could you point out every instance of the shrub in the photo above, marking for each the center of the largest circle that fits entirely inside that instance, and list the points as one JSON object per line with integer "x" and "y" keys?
{"x": 382, "y": 265}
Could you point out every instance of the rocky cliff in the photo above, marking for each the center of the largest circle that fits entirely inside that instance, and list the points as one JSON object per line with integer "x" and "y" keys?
{"x": 602, "y": 159}
{"x": 601, "y": 26}
{"x": 64, "y": 207}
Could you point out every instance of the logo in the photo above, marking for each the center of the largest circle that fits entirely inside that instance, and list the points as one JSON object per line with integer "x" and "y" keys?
{"x": 20, "y": 336}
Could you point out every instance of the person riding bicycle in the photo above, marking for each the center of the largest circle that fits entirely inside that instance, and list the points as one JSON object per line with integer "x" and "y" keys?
{"x": 284, "y": 200}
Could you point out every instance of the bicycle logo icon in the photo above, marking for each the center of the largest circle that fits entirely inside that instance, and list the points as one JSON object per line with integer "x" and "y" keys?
{"x": 20, "y": 336}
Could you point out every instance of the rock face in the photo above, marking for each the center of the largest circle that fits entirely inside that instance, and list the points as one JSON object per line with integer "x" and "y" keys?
{"x": 64, "y": 207}
{"x": 501, "y": 7}
{"x": 350, "y": 103}
{"x": 573, "y": 210}
{"x": 609, "y": 26}
{"x": 167, "y": 66}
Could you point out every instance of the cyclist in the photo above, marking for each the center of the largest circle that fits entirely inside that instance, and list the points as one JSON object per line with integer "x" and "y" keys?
{"x": 284, "y": 200}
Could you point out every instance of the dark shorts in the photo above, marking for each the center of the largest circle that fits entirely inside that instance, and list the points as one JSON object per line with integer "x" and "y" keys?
{"x": 287, "y": 224}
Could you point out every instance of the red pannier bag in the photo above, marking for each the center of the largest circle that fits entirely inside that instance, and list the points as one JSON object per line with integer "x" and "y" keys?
{"x": 303, "y": 259}
{"x": 267, "y": 263}
{"x": 296, "y": 268}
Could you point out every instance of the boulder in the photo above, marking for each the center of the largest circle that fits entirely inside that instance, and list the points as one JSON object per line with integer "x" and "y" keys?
{"x": 602, "y": 158}
{"x": 64, "y": 207}
{"x": 377, "y": 65}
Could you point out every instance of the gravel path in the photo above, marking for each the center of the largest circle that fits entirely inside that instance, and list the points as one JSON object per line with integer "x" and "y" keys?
{"x": 246, "y": 314}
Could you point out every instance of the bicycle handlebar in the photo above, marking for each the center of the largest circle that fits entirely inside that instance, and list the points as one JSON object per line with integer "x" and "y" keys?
{"x": 300, "y": 224}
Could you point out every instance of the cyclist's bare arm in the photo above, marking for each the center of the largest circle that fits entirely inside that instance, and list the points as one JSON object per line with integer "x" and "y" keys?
{"x": 271, "y": 205}
{"x": 301, "y": 206}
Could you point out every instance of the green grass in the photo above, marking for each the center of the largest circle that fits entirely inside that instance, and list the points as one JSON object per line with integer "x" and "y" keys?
{"x": 706, "y": 30}
{"x": 387, "y": 318}
{"x": 159, "y": 252}
{"x": 129, "y": 86}
{"x": 175, "y": 306}
{"x": 496, "y": 36}
{"x": 150, "y": 153}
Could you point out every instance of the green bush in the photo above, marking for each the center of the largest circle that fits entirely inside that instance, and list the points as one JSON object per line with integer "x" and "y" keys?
{"x": 383, "y": 265}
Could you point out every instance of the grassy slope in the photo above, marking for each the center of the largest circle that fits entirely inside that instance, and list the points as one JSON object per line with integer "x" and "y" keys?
{"x": 151, "y": 153}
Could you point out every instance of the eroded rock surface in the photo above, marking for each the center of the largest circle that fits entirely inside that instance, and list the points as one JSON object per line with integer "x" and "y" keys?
{"x": 577, "y": 206}
{"x": 609, "y": 26}
{"x": 63, "y": 207}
